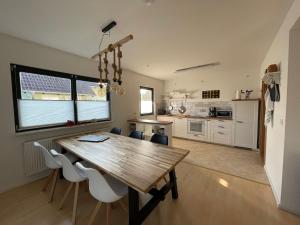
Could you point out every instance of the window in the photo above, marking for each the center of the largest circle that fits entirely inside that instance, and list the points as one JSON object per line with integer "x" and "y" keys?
{"x": 147, "y": 101}
{"x": 92, "y": 101}
{"x": 44, "y": 99}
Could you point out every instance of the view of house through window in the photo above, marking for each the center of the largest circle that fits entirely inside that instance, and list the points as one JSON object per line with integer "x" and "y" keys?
{"x": 146, "y": 103}
{"x": 44, "y": 98}
{"x": 40, "y": 87}
{"x": 91, "y": 101}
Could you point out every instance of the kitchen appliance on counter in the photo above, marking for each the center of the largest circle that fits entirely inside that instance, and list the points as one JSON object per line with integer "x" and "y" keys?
{"x": 224, "y": 113}
{"x": 212, "y": 111}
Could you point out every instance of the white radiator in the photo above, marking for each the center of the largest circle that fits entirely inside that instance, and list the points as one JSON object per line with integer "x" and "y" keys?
{"x": 34, "y": 162}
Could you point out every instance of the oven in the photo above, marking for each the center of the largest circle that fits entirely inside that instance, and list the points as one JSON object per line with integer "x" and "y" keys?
{"x": 197, "y": 126}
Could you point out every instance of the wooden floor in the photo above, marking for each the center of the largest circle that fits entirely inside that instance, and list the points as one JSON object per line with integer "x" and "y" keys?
{"x": 226, "y": 159}
{"x": 205, "y": 198}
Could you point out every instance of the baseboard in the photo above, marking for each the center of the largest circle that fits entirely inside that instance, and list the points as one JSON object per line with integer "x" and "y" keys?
{"x": 276, "y": 196}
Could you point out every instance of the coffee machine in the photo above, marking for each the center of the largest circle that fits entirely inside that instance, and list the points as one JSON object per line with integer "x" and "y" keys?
{"x": 213, "y": 111}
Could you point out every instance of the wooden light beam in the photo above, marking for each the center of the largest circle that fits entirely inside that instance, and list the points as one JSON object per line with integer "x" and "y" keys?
{"x": 113, "y": 46}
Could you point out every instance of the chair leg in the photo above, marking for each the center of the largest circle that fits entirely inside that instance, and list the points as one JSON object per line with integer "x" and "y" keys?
{"x": 75, "y": 203}
{"x": 94, "y": 213}
{"x": 49, "y": 178}
{"x": 53, "y": 186}
{"x": 108, "y": 212}
{"x": 65, "y": 196}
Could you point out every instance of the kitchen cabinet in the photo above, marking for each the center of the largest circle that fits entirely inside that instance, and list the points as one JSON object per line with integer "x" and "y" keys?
{"x": 216, "y": 130}
{"x": 180, "y": 127}
{"x": 246, "y": 123}
{"x": 168, "y": 119}
{"x": 220, "y": 132}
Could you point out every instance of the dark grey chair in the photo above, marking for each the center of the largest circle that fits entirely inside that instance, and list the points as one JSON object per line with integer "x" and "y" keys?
{"x": 137, "y": 134}
{"x": 116, "y": 130}
{"x": 159, "y": 139}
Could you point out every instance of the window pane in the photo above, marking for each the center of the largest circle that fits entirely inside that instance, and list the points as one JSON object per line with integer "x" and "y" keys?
{"x": 42, "y": 87}
{"x": 34, "y": 113}
{"x": 90, "y": 91}
{"x": 92, "y": 101}
{"x": 93, "y": 110}
{"x": 146, "y": 101}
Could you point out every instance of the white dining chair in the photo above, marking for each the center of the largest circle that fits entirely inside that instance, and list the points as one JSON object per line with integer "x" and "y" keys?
{"x": 52, "y": 164}
{"x": 72, "y": 174}
{"x": 104, "y": 188}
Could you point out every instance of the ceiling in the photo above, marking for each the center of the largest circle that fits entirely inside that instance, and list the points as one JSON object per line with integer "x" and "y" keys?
{"x": 168, "y": 35}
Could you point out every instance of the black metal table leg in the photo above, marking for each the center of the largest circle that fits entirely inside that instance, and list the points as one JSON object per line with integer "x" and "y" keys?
{"x": 133, "y": 202}
{"x": 174, "y": 189}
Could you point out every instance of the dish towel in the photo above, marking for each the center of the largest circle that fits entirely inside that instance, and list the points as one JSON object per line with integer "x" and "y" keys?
{"x": 271, "y": 78}
{"x": 269, "y": 108}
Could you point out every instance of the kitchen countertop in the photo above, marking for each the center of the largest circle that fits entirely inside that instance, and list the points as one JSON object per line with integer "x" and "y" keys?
{"x": 150, "y": 121}
{"x": 199, "y": 117}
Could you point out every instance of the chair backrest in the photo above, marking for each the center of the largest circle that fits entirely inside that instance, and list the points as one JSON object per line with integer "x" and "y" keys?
{"x": 159, "y": 139}
{"x": 116, "y": 130}
{"x": 137, "y": 134}
{"x": 70, "y": 172}
{"x": 98, "y": 185}
{"x": 50, "y": 161}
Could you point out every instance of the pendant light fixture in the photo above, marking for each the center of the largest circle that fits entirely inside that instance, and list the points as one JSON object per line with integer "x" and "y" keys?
{"x": 115, "y": 49}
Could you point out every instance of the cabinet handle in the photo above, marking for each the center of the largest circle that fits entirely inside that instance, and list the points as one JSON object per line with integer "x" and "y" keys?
{"x": 221, "y": 120}
{"x": 220, "y": 133}
{"x": 239, "y": 121}
{"x": 221, "y": 127}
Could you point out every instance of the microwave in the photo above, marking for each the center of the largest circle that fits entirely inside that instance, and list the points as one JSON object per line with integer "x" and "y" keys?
{"x": 224, "y": 113}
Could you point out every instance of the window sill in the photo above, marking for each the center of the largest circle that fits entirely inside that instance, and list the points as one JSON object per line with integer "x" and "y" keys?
{"x": 105, "y": 123}
{"x": 147, "y": 114}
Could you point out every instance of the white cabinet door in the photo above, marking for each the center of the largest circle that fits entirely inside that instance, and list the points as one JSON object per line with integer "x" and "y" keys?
{"x": 246, "y": 111}
{"x": 244, "y": 135}
{"x": 222, "y": 132}
{"x": 246, "y": 124}
{"x": 210, "y": 130}
{"x": 180, "y": 128}
{"x": 221, "y": 137}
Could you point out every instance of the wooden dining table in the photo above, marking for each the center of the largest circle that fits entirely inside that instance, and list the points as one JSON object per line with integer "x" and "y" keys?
{"x": 137, "y": 163}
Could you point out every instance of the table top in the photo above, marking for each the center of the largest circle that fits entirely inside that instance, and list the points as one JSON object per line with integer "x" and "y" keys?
{"x": 139, "y": 164}
{"x": 150, "y": 121}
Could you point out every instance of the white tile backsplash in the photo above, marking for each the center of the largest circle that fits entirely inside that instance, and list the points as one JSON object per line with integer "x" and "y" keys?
{"x": 194, "y": 107}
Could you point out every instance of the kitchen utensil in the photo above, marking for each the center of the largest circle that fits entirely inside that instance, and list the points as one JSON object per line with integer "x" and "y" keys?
{"x": 182, "y": 109}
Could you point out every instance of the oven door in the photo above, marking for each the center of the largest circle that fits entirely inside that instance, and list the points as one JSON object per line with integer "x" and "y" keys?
{"x": 196, "y": 127}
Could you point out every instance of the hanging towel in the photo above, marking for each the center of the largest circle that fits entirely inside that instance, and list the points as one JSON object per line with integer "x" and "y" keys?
{"x": 271, "y": 78}
{"x": 274, "y": 92}
{"x": 269, "y": 108}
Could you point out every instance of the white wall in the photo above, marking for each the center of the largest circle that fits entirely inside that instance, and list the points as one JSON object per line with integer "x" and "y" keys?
{"x": 217, "y": 78}
{"x": 290, "y": 197}
{"x": 275, "y": 147}
{"x": 17, "y": 51}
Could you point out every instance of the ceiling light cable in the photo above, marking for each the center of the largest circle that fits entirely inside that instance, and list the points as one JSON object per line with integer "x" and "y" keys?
{"x": 102, "y": 37}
